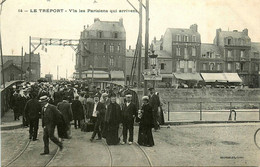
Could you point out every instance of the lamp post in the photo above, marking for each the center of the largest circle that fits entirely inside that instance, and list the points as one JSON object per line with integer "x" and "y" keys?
{"x": 153, "y": 63}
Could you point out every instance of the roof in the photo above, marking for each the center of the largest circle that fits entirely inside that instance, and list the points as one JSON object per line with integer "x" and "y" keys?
{"x": 17, "y": 59}
{"x": 233, "y": 34}
{"x": 188, "y": 76}
{"x": 10, "y": 63}
{"x": 206, "y": 47}
{"x": 255, "y": 48}
{"x": 107, "y": 26}
{"x": 184, "y": 31}
{"x": 161, "y": 53}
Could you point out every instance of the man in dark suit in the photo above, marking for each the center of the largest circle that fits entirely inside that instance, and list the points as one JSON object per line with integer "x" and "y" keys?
{"x": 129, "y": 112}
{"x": 96, "y": 115}
{"x": 32, "y": 112}
{"x": 65, "y": 109}
{"x": 50, "y": 118}
{"x": 78, "y": 112}
{"x": 154, "y": 102}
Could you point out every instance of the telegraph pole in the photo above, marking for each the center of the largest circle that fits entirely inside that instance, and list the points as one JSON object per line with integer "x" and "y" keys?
{"x": 30, "y": 58}
{"x": 140, "y": 44}
{"x": 1, "y": 49}
{"x": 146, "y": 43}
{"x": 22, "y": 64}
{"x": 57, "y": 72}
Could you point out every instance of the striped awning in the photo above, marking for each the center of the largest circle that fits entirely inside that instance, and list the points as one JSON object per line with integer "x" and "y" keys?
{"x": 188, "y": 76}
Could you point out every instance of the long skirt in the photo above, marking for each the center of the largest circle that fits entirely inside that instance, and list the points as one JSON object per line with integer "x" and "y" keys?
{"x": 112, "y": 135}
{"x": 145, "y": 136}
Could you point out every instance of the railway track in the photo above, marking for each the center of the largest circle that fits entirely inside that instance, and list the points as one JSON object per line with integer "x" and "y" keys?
{"x": 137, "y": 145}
{"x": 24, "y": 149}
{"x": 19, "y": 155}
{"x": 109, "y": 152}
{"x": 145, "y": 154}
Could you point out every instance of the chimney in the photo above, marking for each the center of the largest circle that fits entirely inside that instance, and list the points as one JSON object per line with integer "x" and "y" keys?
{"x": 154, "y": 39}
{"x": 194, "y": 27}
{"x": 121, "y": 21}
{"x": 84, "y": 27}
{"x": 161, "y": 38}
{"x": 129, "y": 47}
{"x": 96, "y": 19}
{"x": 217, "y": 35}
{"x": 245, "y": 31}
{"x": 87, "y": 26}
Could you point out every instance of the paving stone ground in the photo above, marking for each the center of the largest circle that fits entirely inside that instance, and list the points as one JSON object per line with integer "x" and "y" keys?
{"x": 185, "y": 145}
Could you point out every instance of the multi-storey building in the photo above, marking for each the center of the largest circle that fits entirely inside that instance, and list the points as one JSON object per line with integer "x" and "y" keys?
{"x": 235, "y": 47}
{"x": 211, "y": 60}
{"x": 164, "y": 62}
{"x": 255, "y": 64}
{"x": 184, "y": 46}
{"x": 102, "y": 49}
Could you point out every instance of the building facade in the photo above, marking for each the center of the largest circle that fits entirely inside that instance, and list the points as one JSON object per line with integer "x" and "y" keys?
{"x": 102, "y": 48}
{"x": 184, "y": 46}
{"x": 235, "y": 46}
{"x": 20, "y": 64}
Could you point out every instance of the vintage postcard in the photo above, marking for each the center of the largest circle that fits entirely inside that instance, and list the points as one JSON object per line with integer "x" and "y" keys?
{"x": 130, "y": 82}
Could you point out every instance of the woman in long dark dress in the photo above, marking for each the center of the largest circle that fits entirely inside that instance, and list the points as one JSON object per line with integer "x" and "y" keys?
{"x": 112, "y": 120}
{"x": 145, "y": 119}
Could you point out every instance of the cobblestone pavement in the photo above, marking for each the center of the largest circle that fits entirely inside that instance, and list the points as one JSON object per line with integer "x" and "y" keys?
{"x": 199, "y": 145}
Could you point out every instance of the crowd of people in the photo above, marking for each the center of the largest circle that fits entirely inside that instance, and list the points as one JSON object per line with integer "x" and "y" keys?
{"x": 111, "y": 110}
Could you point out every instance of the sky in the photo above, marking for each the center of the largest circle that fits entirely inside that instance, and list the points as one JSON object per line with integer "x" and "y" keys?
{"x": 17, "y": 26}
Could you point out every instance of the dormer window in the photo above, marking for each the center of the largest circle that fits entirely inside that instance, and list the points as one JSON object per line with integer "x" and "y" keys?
{"x": 229, "y": 41}
{"x": 193, "y": 38}
{"x": 185, "y": 38}
{"x": 100, "y": 34}
{"x": 178, "y": 37}
{"x": 115, "y": 35}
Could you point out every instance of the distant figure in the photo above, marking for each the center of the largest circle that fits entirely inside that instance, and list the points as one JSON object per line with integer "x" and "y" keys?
{"x": 78, "y": 113}
{"x": 112, "y": 121}
{"x": 32, "y": 112}
{"x": 146, "y": 123}
{"x": 65, "y": 108}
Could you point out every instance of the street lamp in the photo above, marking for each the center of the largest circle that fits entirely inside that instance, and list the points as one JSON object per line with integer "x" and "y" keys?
{"x": 153, "y": 62}
{"x": 153, "y": 59}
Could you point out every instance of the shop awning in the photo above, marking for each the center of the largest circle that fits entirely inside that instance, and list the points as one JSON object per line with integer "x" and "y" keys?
{"x": 188, "y": 76}
{"x": 232, "y": 77}
{"x": 117, "y": 74}
{"x": 166, "y": 75}
{"x": 96, "y": 74}
{"x": 213, "y": 77}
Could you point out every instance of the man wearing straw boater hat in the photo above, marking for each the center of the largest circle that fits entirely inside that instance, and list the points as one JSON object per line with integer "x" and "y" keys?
{"x": 50, "y": 116}
{"x": 129, "y": 112}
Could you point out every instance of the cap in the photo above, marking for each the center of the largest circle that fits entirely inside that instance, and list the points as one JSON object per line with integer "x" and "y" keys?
{"x": 96, "y": 95}
{"x": 128, "y": 95}
{"x": 151, "y": 88}
{"x": 44, "y": 98}
{"x": 104, "y": 94}
{"x": 145, "y": 98}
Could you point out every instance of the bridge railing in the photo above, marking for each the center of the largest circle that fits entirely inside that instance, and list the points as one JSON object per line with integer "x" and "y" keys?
{"x": 183, "y": 111}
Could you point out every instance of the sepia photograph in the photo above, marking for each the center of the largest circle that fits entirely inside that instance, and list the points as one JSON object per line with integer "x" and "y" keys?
{"x": 141, "y": 83}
